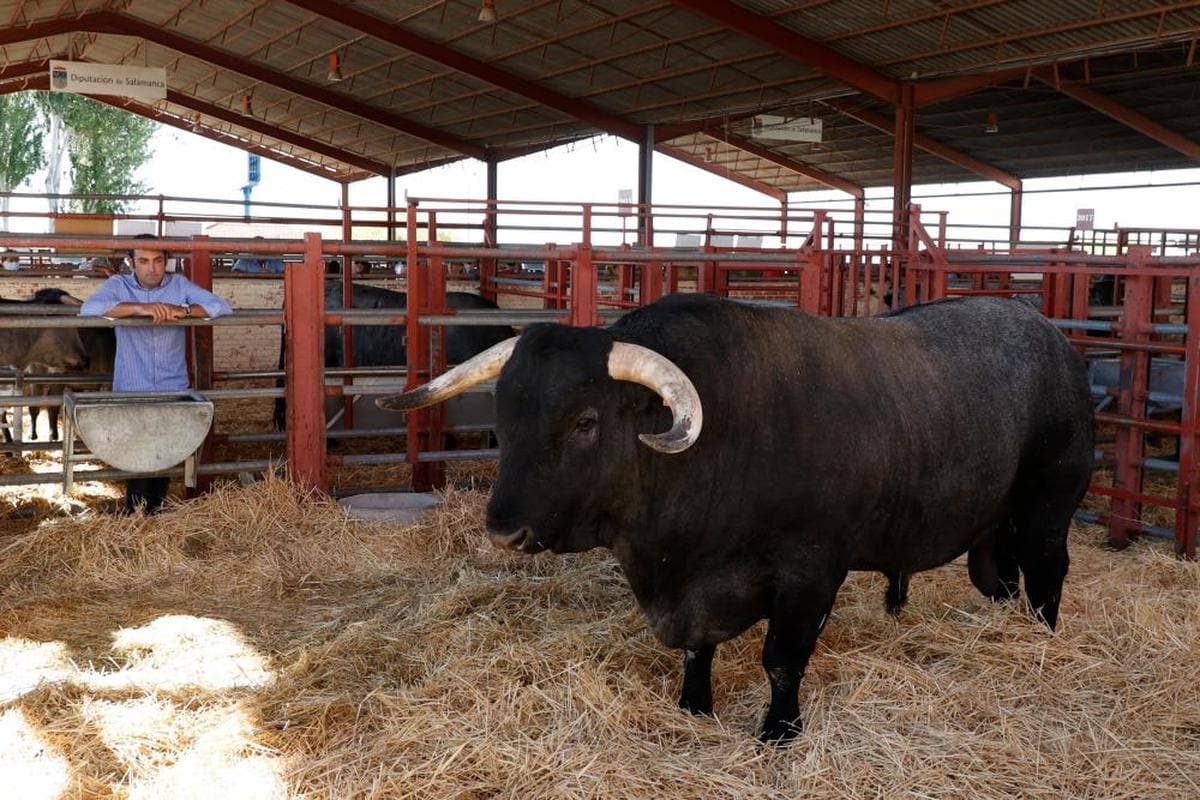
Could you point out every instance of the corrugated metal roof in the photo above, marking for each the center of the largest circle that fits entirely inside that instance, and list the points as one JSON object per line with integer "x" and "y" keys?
{"x": 426, "y": 82}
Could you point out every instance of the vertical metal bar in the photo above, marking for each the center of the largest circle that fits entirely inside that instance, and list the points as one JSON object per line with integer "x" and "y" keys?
{"x": 645, "y": 187}
{"x": 347, "y": 226}
{"x": 417, "y": 355}
{"x": 1187, "y": 505}
{"x": 651, "y": 283}
{"x": 304, "y": 317}
{"x": 1014, "y": 216}
{"x": 1131, "y": 402}
{"x": 201, "y": 349}
{"x": 488, "y": 266}
{"x": 902, "y": 159}
{"x": 433, "y": 474}
{"x": 584, "y": 285}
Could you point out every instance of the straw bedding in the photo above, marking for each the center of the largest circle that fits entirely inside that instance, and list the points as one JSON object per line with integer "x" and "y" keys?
{"x": 255, "y": 643}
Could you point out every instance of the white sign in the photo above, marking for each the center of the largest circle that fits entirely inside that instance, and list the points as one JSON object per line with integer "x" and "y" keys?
{"x": 625, "y": 202}
{"x": 791, "y": 129}
{"x": 1084, "y": 217}
{"x": 146, "y": 83}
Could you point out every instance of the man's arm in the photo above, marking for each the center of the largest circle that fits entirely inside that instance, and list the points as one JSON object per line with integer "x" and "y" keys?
{"x": 203, "y": 303}
{"x": 161, "y": 312}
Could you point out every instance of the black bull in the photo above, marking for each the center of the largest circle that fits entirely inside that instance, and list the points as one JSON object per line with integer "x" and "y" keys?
{"x": 891, "y": 444}
{"x": 386, "y": 345}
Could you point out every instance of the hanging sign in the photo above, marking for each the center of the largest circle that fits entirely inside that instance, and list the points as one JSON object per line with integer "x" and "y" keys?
{"x": 81, "y": 77}
{"x": 625, "y": 202}
{"x": 1084, "y": 217}
{"x": 253, "y": 168}
{"x": 791, "y": 129}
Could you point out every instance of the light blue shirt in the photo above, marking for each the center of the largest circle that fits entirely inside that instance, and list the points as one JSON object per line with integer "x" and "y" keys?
{"x": 152, "y": 358}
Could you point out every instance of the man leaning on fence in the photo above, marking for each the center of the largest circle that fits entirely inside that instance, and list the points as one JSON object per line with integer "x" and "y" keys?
{"x": 151, "y": 358}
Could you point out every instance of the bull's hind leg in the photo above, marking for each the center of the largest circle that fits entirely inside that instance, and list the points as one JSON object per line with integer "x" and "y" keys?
{"x": 1041, "y": 513}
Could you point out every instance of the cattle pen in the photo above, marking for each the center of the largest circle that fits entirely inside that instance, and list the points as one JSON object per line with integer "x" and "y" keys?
{"x": 813, "y": 261}
{"x": 258, "y": 641}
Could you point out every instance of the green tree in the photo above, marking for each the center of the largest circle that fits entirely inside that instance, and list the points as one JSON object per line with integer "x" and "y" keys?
{"x": 106, "y": 146}
{"x": 21, "y": 151}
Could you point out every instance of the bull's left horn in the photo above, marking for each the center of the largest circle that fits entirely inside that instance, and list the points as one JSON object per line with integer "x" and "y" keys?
{"x": 478, "y": 369}
{"x": 631, "y": 362}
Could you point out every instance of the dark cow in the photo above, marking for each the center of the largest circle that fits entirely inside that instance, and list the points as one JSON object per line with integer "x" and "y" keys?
{"x": 101, "y": 347}
{"x": 891, "y": 444}
{"x": 386, "y": 345}
{"x": 45, "y": 348}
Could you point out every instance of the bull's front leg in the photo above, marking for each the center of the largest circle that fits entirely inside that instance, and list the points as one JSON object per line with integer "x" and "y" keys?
{"x": 791, "y": 636}
{"x": 696, "y": 693}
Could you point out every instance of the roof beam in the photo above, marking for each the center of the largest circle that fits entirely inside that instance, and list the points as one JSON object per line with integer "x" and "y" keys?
{"x": 937, "y": 91}
{"x": 942, "y": 151}
{"x": 799, "y": 167}
{"x": 723, "y": 172}
{"x": 122, "y": 25}
{"x": 395, "y": 35}
{"x": 1122, "y": 114}
{"x": 795, "y": 45}
{"x": 127, "y": 104}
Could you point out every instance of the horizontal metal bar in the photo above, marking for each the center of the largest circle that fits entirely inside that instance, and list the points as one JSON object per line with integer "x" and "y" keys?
{"x": 1157, "y": 532}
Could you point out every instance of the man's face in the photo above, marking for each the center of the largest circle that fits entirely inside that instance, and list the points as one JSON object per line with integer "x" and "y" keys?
{"x": 149, "y": 267}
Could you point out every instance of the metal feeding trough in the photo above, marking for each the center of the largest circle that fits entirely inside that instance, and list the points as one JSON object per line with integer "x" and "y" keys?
{"x": 137, "y": 432}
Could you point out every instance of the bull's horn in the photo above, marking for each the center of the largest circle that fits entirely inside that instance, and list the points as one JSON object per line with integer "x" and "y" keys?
{"x": 478, "y": 369}
{"x": 631, "y": 362}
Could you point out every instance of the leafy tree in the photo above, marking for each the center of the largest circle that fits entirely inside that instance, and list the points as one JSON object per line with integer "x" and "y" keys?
{"x": 106, "y": 146}
{"x": 21, "y": 151}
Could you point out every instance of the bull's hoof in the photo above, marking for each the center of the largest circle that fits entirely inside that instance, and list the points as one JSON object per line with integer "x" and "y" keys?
{"x": 780, "y": 732}
{"x": 697, "y": 706}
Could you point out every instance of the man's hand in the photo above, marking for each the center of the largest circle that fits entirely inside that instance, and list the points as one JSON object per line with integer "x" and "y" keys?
{"x": 164, "y": 312}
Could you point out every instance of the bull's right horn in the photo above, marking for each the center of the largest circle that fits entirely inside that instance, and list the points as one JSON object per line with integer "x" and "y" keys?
{"x": 632, "y": 362}
{"x": 478, "y": 369}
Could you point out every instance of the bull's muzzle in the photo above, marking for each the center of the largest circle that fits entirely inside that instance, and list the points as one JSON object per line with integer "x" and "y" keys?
{"x": 521, "y": 539}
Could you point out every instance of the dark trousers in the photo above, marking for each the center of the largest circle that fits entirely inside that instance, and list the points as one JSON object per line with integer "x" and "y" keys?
{"x": 150, "y": 492}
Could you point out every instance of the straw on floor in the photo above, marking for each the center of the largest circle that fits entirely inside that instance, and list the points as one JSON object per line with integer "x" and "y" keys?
{"x": 257, "y": 643}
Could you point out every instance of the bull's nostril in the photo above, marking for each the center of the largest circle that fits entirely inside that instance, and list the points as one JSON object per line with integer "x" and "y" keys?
{"x": 511, "y": 540}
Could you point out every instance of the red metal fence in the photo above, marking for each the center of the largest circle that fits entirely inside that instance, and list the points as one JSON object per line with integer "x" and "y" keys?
{"x": 1153, "y": 307}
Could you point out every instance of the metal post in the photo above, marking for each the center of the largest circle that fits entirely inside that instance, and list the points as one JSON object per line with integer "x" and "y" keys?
{"x": 1133, "y": 326}
{"x": 645, "y": 187}
{"x": 201, "y": 349}
{"x": 902, "y": 160}
{"x": 304, "y": 317}
{"x": 488, "y": 266}
{"x": 1014, "y": 216}
{"x": 1187, "y": 504}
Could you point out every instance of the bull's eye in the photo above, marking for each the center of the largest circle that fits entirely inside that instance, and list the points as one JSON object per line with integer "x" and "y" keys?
{"x": 587, "y": 425}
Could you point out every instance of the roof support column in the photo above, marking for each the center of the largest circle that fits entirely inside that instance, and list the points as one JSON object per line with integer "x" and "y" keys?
{"x": 860, "y": 218}
{"x": 487, "y": 266}
{"x": 391, "y": 204}
{"x": 645, "y": 187}
{"x": 1014, "y": 216}
{"x": 902, "y": 164}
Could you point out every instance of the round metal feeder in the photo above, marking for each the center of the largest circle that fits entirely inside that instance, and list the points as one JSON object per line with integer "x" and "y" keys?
{"x": 138, "y": 432}
{"x": 403, "y": 508}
